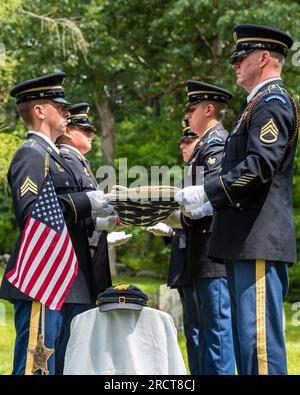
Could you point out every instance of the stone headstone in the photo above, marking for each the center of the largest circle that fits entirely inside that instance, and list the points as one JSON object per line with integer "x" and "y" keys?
{"x": 169, "y": 301}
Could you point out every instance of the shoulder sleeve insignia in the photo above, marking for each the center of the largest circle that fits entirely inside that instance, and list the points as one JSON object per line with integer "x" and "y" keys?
{"x": 28, "y": 186}
{"x": 275, "y": 97}
{"x": 214, "y": 139}
{"x": 121, "y": 287}
{"x": 269, "y": 133}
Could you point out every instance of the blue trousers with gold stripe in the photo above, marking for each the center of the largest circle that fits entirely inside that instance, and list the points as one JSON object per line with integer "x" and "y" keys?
{"x": 257, "y": 289}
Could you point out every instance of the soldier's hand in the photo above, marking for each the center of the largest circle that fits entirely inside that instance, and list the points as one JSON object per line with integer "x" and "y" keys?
{"x": 160, "y": 229}
{"x": 99, "y": 202}
{"x": 199, "y": 212}
{"x": 116, "y": 239}
{"x": 108, "y": 223}
{"x": 191, "y": 198}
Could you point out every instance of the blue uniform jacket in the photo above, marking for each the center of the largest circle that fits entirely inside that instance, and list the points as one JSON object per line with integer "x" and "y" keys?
{"x": 252, "y": 195}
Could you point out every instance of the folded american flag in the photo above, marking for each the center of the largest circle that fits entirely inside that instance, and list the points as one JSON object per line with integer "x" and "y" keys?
{"x": 46, "y": 264}
{"x": 143, "y": 206}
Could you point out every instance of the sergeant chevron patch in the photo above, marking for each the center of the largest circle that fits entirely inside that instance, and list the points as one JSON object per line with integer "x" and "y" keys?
{"x": 269, "y": 132}
{"x": 28, "y": 186}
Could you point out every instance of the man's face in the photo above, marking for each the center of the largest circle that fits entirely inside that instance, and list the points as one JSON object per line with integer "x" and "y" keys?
{"x": 56, "y": 116}
{"x": 196, "y": 116}
{"x": 81, "y": 137}
{"x": 247, "y": 70}
{"x": 187, "y": 148}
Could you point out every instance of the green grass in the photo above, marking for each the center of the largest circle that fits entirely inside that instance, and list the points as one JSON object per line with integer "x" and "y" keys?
{"x": 149, "y": 286}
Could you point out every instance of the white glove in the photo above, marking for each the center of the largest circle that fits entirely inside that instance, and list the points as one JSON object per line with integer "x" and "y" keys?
{"x": 191, "y": 198}
{"x": 108, "y": 223}
{"x": 97, "y": 200}
{"x": 118, "y": 238}
{"x": 200, "y": 212}
{"x": 160, "y": 229}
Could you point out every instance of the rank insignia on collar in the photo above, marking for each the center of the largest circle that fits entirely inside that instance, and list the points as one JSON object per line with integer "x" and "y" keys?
{"x": 49, "y": 149}
{"x": 86, "y": 172}
{"x": 59, "y": 168}
{"x": 269, "y": 132}
{"x": 40, "y": 355}
{"x": 28, "y": 186}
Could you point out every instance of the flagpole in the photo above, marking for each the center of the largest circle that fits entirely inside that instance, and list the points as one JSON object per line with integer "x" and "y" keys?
{"x": 43, "y": 306}
{"x": 37, "y": 309}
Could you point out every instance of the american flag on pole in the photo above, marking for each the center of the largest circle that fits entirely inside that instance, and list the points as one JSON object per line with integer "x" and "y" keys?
{"x": 46, "y": 265}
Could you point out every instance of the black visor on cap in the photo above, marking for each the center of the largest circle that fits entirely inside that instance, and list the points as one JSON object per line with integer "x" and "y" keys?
{"x": 122, "y": 296}
{"x": 251, "y": 37}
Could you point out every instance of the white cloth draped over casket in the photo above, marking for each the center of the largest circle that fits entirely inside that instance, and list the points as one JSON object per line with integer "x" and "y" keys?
{"x": 120, "y": 342}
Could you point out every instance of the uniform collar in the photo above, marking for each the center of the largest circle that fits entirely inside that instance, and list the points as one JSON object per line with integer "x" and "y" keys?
{"x": 259, "y": 86}
{"x": 74, "y": 149}
{"x": 46, "y": 138}
{"x": 216, "y": 126}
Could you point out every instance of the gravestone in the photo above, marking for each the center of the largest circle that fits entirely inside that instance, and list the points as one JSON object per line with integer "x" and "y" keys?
{"x": 169, "y": 301}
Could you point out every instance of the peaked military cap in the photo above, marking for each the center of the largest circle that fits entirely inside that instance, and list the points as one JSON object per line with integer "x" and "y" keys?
{"x": 122, "y": 296}
{"x": 199, "y": 91}
{"x": 79, "y": 115}
{"x": 48, "y": 87}
{"x": 251, "y": 37}
{"x": 187, "y": 133}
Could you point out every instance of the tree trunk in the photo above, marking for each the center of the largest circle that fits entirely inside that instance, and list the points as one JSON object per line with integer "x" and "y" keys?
{"x": 108, "y": 131}
{"x": 108, "y": 135}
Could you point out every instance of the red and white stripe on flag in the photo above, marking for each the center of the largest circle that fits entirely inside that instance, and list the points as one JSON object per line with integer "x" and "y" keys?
{"x": 46, "y": 264}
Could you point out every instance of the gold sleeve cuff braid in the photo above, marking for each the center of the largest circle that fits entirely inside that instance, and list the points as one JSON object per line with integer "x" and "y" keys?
{"x": 74, "y": 208}
{"x": 227, "y": 194}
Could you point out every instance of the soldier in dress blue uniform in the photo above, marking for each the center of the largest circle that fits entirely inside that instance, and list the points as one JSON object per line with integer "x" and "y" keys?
{"x": 73, "y": 145}
{"x": 177, "y": 237}
{"x": 43, "y": 107}
{"x": 205, "y": 110}
{"x": 253, "y": 229}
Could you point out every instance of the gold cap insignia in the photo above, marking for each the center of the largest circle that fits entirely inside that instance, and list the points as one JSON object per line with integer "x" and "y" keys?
{"x": 121, "y": 287}
{"x": 269, "y": 133}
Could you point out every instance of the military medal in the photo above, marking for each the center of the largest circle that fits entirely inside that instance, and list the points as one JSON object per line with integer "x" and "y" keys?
{"x": 40, "y": 355}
